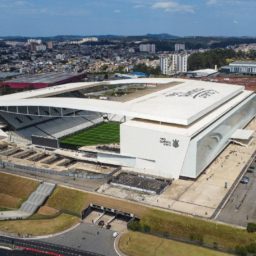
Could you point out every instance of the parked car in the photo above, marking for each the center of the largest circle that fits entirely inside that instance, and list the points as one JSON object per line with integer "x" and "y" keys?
{"x": 101, "y": 223}
{"x": 115, "y": 234}
{"x": 245, "y": 180}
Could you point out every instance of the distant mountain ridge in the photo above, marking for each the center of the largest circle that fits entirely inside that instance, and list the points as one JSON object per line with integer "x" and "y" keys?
{"x": 76, "y": 37}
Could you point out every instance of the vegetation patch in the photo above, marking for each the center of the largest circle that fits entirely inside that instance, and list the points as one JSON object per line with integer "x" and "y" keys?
{"x": 104, "y": 133}
{"x": 14, "y": 190}
{"x": 17, "y": 186}
{"x": 7, "y": 201}
{"x": 251, "y": 227}
{"x": 67, "y": 200}
{"x": 39, "y": 227}
{"x": 137, "y": 244}
{"x": 47, "y": 211}
{"x": 194, "y": 229}
{"x": 74, "y": 201}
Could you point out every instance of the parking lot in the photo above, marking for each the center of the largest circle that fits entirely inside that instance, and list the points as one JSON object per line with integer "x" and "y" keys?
{"x": 241, "y": 206}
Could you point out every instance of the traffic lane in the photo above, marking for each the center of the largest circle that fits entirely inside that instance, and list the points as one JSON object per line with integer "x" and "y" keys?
{"x": 44, "y": 246}
{"x": 17, "y": 253}
{"x": 87, "y": 237}
{"x": 241, "y": 207}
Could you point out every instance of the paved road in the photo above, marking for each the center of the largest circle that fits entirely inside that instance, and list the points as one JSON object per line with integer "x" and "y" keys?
{"x": 241, "y": 207}
{"x": 87, "y": 237}
{"x": 18, "y": 253}
{"x": 52, "y": 249}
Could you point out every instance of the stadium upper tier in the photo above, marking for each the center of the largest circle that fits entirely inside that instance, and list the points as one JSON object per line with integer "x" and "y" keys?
{"x": 182, "y": 104}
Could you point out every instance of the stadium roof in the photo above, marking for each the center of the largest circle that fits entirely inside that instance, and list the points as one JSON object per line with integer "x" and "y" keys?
{"x": 48, "y": 78}
{"x": 182, "y": 104}
{"x": 243, "y": 63}
{"x": 203, "y": 72}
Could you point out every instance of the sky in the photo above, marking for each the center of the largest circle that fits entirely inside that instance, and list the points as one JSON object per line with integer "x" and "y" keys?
{"x": 127, "y": 17}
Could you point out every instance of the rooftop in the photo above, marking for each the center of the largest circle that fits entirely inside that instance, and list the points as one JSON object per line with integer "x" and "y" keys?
{"x": 48, "y": 78}
{"x": 243, "y": 63}
{"x": 182, "y": 104}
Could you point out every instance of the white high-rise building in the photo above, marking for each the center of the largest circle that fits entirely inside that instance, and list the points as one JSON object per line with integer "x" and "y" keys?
{"x": 174, "y": 63}
{"x": 151, "y": 48}
{"x": 164, "y": 65}
{"x": 36, "y": 41}
{"x": 181, "y": 61}
{"x": 180, "y": 47}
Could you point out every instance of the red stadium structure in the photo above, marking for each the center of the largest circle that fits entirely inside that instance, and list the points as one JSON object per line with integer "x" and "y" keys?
{"x": 42, "y": 80}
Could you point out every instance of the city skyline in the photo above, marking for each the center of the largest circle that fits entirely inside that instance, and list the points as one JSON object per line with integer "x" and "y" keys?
{"x": 131, "y": 17}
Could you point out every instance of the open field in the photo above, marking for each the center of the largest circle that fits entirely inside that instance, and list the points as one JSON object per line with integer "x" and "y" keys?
{"x": 104, "y": 133}
{"x": 14, "y": 190}
{"x": 39, "y": 227}
{"x": 137, "y": 244}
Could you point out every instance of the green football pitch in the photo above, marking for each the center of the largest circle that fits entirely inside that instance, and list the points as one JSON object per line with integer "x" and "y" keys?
{"x": 104, "y": 133}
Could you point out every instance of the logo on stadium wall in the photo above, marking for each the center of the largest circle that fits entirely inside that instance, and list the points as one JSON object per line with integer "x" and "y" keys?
{"x": 195, "y": 93}
{"x": 174, "y": 143}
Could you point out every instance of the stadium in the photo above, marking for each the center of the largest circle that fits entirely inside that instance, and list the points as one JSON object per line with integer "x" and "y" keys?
{"x": 164, "y": 127}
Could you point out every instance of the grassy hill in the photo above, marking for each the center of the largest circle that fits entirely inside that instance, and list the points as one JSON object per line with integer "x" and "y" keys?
{"x": 14, "y": 190}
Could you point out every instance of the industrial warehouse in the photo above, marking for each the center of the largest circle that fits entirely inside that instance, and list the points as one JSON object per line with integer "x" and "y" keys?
{"x": 169, "y": 128}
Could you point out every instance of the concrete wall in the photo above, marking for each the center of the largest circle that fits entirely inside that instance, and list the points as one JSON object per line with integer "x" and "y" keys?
{"x": 168, "y": 155}
{"x": 157, "y": 152}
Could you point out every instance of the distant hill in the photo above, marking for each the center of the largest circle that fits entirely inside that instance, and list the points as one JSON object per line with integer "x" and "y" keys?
{"x": 163, "y": 36}
{"x": 163, "y": 41}
{"x": 77, "y": 37}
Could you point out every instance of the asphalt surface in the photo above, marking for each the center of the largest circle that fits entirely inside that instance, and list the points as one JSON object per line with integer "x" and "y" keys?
{"x": 87, "y": 237}
{"x": 241, "y": 206}
{"x": 18, "y": 253}
{"x": 44, "y": 247}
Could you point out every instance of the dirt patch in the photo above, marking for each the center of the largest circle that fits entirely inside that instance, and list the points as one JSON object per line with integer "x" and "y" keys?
{"x": 47, "y": 211}
{"x": 7, "y": 201}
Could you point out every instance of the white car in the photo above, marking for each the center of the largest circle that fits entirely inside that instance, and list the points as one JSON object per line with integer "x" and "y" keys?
{"x": 115, "y": 234}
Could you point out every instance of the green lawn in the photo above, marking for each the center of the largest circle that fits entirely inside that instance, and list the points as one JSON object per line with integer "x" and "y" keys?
{"x": 185, "y": 227}
{"x": 104, "y": 133}
{"x": 14, "y": 190}
{"x": 138, "y": 244}
{"x": 39, "y": 227}
{"x": 65, "y": 199}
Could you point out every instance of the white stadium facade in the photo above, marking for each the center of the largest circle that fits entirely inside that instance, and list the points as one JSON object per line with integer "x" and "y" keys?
{"x": 174, "y": 132}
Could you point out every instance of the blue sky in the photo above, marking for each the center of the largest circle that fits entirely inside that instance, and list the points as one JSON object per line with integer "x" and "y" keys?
{"x": 127, "y": 17}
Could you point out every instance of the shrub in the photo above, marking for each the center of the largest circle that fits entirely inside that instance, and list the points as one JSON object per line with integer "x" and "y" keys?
{"x": 215, "y": 245}
{"x": 197, "y": 237}
{"x": 251, "y": 248}
{"x": 241, "y": 251}
{"x": 134, "y": 225}
{"x": 146, "y": 228}
{"x": 251, "y": 227}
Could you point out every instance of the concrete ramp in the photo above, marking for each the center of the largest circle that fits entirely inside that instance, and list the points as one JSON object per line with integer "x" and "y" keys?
{"x": 29, "y": 207}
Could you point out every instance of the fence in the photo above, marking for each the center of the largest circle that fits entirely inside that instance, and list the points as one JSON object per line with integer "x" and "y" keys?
{"x": 35, "y": 170}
